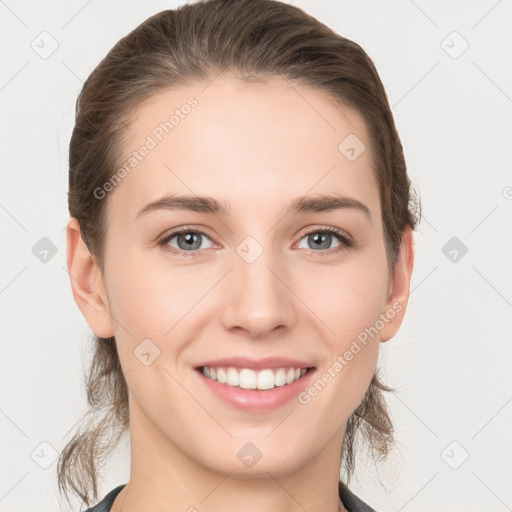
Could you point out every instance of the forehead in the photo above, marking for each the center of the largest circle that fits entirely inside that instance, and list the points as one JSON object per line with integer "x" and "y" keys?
{"x": 244, "y": 141}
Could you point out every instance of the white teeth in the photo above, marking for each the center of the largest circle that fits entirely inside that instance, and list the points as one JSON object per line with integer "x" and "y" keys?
{"x": 266, "y": 379}
{"x": 247, "y": 379}
{"x": 233, "y": 378}
{"x": 251, "y": 379}
{"x": 221, "y": 376}
{"x": 280, "y": 377}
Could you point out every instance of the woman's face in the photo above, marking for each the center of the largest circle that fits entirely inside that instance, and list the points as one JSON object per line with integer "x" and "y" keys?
{"x": 254, "y": 287}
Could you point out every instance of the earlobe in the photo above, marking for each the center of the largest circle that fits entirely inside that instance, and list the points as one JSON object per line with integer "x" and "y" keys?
{"x": 87, "y": 283}
{"x": 396, "y": 303}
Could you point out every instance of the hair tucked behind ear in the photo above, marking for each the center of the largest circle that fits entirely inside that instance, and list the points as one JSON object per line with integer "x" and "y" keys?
{"x": 254, "y": 39}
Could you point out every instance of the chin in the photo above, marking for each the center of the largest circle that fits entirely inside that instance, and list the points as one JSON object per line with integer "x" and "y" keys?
{"x": 242, "y": 466}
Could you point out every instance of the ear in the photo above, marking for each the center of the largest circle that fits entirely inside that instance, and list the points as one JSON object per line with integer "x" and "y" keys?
{"x": 398, "y": 293}
{"x": 87, "y": 283}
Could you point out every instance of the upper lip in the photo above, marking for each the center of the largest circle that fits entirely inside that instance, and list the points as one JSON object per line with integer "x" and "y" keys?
{"x": 255, "y": 364}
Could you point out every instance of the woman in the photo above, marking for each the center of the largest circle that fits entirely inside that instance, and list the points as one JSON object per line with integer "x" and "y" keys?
{"x": 240, "y": 243}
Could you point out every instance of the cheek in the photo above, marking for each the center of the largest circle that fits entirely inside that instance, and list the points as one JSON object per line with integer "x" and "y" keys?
{"x": 349, "y": 309}
{"x": 347, "y": 299}
{"x": 149, "y": 299}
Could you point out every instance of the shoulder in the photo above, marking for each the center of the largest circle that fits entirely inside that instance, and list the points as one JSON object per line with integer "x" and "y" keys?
{"x": 351, "y": 502}
{"x": 106, "y": 503}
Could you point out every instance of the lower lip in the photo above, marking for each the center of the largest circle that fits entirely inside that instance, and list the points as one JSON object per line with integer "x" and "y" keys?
{"x": 257, "y": 400}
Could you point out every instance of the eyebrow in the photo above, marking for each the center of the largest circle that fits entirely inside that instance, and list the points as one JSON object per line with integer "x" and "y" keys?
{"x": 207, "y": 204}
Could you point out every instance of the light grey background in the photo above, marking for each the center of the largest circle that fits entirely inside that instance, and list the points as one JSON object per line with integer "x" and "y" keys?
{"x": 450, "y": 360}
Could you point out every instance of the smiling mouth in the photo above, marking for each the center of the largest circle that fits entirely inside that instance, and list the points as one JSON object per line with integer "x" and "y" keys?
{"x": 246, "y": 378}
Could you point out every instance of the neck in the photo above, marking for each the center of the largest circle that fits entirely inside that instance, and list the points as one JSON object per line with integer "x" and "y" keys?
{"x": 164, "y": 478}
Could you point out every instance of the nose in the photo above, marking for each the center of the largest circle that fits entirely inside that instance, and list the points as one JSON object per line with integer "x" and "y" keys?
{"x": 258, "y": 297}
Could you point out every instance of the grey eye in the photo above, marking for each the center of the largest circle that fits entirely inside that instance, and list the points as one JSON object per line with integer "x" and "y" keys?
{"x": 187, "y": 240}
{"x": 320, "y": 240}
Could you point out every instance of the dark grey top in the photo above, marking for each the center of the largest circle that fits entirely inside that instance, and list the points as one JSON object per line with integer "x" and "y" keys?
{"x": 351, "y": 502}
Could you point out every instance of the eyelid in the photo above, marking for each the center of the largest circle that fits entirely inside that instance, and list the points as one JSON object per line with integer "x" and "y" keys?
{"x": 319, "y": 228}
{"x": 346, "y": 240}
{"x": 164, "y": 240}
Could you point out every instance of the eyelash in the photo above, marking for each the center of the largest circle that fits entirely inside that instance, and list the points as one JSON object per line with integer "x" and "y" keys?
{"x": 346, "y": 243}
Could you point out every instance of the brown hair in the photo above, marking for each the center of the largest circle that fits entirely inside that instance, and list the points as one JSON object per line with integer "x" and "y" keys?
{"x": 195, "y": 42}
